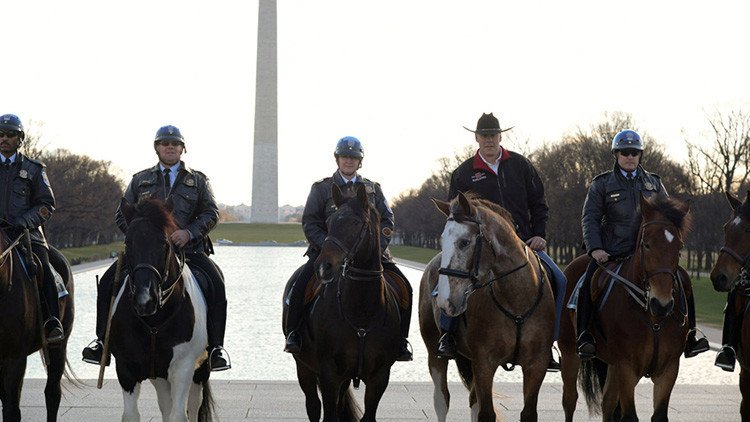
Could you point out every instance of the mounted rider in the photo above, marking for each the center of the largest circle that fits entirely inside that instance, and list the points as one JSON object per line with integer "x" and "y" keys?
{"x": 319, "y": 206}
{"x": 27, "y": 203}
{"x": 610, "y": 211}
{"x": 196, "y": 213}
{"x": 511, "y": 181}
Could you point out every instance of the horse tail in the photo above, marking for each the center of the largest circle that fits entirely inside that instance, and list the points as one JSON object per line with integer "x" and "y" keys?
{"x": 464, "y": 370}
{"x": 350, "y": 410}
{"x": 206, "y": 411}
{"x": 591, "y": 376}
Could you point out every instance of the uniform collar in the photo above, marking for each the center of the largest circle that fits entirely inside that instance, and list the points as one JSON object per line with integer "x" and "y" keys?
{"x": 12, "y": 158}
{"x": 158, "y": 168}
{"x": 480, "y": 164}
{"x": 340, "y": 180}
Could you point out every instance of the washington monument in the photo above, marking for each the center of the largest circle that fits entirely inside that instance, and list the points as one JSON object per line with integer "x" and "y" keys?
{"x": 265, "y": 206}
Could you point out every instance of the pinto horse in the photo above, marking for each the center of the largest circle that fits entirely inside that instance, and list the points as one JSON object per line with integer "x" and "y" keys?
{"x": 488, "y": 276}
{"x": 641, "y": 325}
{"x": 20, "y": 329}
{"x": 159, "y": 321}
{"x": 352, "y": 330}
{"x": 731, "y": 273}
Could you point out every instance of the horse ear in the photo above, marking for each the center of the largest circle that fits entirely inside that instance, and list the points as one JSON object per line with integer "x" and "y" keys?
{"x": 362, "y": 194}
{"x": 466, "y": 206}
{"x": 338, "y": 197}
{"x": 127, "y": 210}
{"x": 734, "y": 201}
{"x": 444, "y": 207}
{"x": 645, "y": 204}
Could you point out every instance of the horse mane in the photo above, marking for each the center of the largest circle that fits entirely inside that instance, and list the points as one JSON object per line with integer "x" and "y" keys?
{"x": 744, "y": 209}
{"x": 672, "y": 209}
{"x": 156, "y": 211}
{"x": 480, "y": 202}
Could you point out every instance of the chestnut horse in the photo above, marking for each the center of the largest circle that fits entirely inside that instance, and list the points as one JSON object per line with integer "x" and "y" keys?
{"x": 641, "y": 325}
{"x": 20, "y": 329}
{"x": 352, "y": 329}
{"x": 731, "y": 273}
{"x": 159, "y": 321}
{"x": 486, "y": 275}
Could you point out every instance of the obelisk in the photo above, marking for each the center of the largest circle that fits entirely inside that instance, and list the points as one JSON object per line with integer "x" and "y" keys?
{"x": 265, "y": 206}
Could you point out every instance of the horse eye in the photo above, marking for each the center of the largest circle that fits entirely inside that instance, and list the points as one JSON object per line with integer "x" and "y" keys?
{"x": 464, "y": 243}
{"x": 647, "y": 246}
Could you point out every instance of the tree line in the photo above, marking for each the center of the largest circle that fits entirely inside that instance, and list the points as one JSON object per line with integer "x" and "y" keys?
{"x": 568, "y": 165}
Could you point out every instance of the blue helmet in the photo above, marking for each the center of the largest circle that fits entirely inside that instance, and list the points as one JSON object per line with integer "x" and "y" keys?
{"x": 12, "y": 122}
{"x": 349, "y": 146}
{"x": 627, "y": 139}
{"x": 169, "y": 132}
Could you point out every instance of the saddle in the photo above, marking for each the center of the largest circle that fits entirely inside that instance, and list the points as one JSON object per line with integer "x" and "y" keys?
{"x": 395, "y": 283}
{"x": 602, "y": 284}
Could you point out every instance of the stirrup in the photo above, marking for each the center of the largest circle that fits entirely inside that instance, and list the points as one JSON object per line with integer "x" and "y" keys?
{"x": 227, "y": 361}
{"x": 406, "y": 354}
{"x": 728, "y": 362}
{"x": 699, "y": 345}
{"x": 56, "y": 332}
{"x": 554, "y": 365}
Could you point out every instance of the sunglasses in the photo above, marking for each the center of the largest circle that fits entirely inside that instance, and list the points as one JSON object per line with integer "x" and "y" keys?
{"x": 629, "y": 152}
{"x": 11, "y": 134}
{"x": 166, "y": 143}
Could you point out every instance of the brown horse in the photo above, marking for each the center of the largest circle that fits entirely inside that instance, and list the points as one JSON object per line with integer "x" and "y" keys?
{"x": 20, "y": 329}
{"x": 352, "y": 330}
{"x": 731, "y": 273}
{"x": 641, "y": 325}
{"x": 496, "y": 284}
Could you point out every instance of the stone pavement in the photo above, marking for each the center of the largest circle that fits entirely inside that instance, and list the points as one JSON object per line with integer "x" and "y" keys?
{"x": 403, "y": 402}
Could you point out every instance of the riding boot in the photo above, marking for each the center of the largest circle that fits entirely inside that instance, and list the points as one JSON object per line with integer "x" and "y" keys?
{"x": 447, "y": 343}
{"x": 53, "y": 328}
{"x": 94, "y": 351}
{"x": 296, "y": 306}
{"x": 727, "y": 357}
{"x": 218, "y": 358}
{"x": 694, "y": 346}
{"x": 585, "y": 344}
{"x": 404, "y": 354}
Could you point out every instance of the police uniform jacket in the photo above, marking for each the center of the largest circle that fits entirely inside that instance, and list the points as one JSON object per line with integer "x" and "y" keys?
{"x": 26, "y": 195}
{"x": 320, "y": 206}
{"x": 611, "y": 210}
{"x": 195, "y": 208}
{"x": 517, "y": 187}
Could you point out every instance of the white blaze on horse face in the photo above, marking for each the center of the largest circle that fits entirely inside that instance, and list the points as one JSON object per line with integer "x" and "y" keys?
{"x": 452, "y": 232}
{"x": 668, "y": 235}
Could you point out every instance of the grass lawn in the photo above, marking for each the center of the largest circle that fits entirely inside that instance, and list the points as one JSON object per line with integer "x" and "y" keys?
{"x": 709, "y": 304}
{"x": 413, "y": 253}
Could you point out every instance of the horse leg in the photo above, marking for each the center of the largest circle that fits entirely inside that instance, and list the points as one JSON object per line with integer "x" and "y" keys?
{"x": 180, "y": 382}
{"x": 441, "y": 397}
{"x": 329, "y": 389}
{"x": 569, "y": 371}
{"x": 130, "y": 401}
{"x": 163, "y": 396}
{"x": 745, "y": 391}
{"x": 483, "y": 409}
{"x": 12, "y": 383}
{"x": 533, "y": 376}
{"x": 195, "y": 398}
{"x": 627, "y": 380}
{"x": 52, "y": 391}
{"x": 308, "y": 382}
{"x": 610, "y": 397}
{"x": 663, "y": 385}
{"x": 374, "y": 392}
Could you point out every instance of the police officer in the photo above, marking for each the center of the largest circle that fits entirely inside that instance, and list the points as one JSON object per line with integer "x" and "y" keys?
{"x": 510, "y": 180}
{"x": 609, "y": 213}
{"x": 196, "y": 214}
{"x": 27, "y": 202}
{"x": 348, "y": 154}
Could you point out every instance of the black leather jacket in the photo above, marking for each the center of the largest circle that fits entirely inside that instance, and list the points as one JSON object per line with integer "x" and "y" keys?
{"x": 194, "y": 210}
{"x": 320, "y": 206}
{"x": 611, "y": 210}
{"x": 26, "y": 195}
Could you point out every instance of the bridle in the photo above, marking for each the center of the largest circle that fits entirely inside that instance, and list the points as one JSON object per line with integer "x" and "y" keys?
{"x": 473, "y": 276}
{"x": 743, "y": 278}
{"x": 6, "y": 256}
{"x": 163, "y": 278}
{"x": 349, "y": 271}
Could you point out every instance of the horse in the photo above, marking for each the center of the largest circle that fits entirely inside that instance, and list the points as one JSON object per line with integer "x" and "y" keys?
{"x": 352, "y": 329}
{"x": 158, "y": 324}
{"x": 730, "y": 274}
{"x": 641, "y": 326}
{"x": 21, "y": 332}
{"x": 486, "y": 274}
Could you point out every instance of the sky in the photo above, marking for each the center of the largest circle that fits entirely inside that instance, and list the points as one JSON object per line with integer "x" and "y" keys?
{"x": 402, "y": 76}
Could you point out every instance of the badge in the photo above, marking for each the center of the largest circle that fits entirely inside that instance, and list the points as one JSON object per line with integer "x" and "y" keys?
{"x": 369, "y": 189}
{"x": 478, "y": 176}
{"x": 614, "y": 195}
{"x": 387, "y": 231}
{"x": 648, "y": 186}
{"x": 23, "y": 174}
{"x": 190, "y": 181}
{"x": 44, "y": 212}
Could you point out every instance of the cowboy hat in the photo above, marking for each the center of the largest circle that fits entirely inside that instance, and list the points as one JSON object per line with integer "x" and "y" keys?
{"x": 488, "y": 124}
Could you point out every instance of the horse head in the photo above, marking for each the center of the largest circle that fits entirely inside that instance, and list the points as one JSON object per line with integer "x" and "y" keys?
{"x": 149, "y": 256}
{"x": 352, "y": 246}
{"x": 477, "y": 237}
{"x": 732, "y": 267}
{"x": 663, "y": 222}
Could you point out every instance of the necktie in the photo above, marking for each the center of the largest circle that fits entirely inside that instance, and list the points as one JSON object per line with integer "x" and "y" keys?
{"x": 630, "y": 176}
{"x": 167, "y": 182}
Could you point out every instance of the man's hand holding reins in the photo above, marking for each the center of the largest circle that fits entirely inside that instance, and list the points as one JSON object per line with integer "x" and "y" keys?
{"x": 537, "y": 243}
{"x": 600, "y": 255}
{"x": 180, "y": 237}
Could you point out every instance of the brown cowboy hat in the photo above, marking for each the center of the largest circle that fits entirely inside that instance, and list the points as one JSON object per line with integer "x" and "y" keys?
{"x": 488, "y": 124}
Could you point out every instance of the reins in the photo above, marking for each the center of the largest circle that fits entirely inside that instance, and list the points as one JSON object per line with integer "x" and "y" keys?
{"x": 7, "y": 254}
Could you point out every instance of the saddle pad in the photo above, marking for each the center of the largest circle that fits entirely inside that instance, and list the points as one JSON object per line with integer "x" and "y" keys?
{"x": 602, "y": 278}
